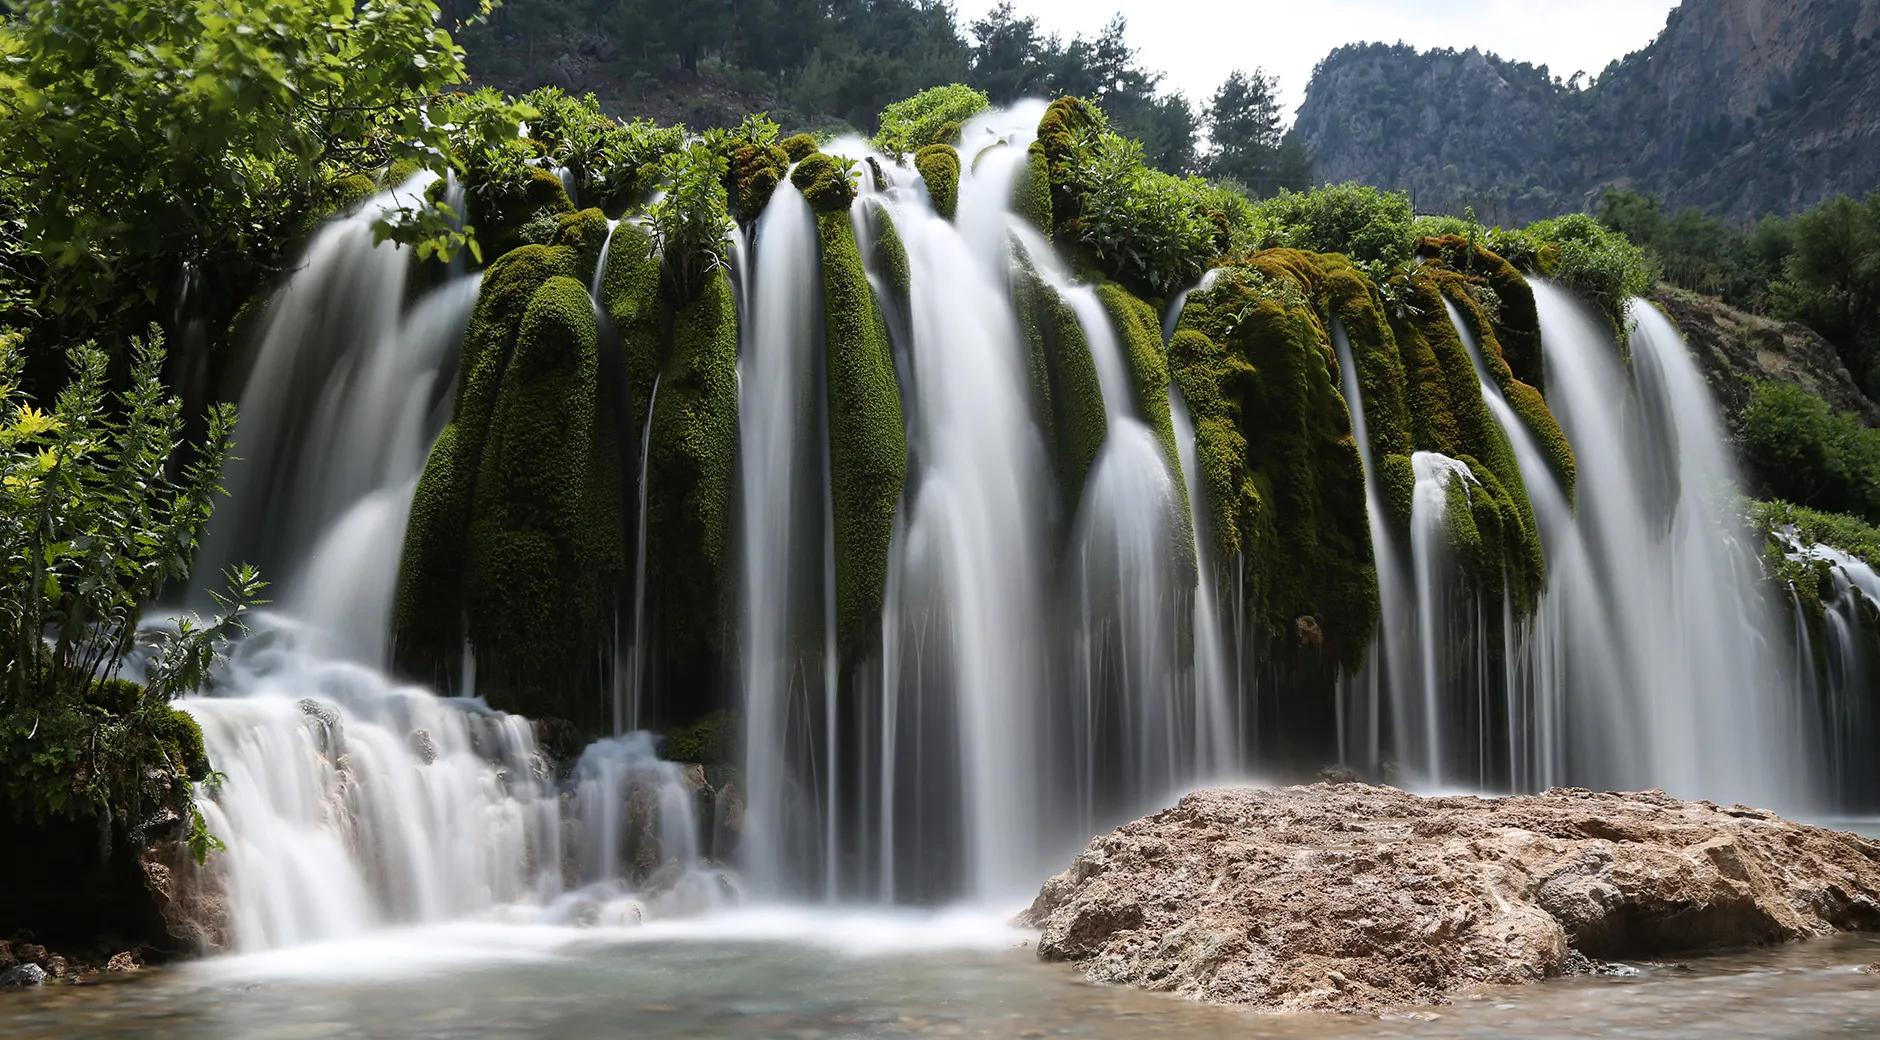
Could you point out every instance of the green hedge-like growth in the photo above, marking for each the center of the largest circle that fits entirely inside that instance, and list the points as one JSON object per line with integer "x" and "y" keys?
{"x": 939, "y": 166}
{"x": 826, "y": 182}
{"x": 867, "y": 440}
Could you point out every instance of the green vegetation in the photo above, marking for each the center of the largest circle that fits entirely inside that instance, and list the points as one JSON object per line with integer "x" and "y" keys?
{"x": 219, "y": 124}
{"x": 1140, "y": 332}
{"x": 1821, "y": 267}
{"x": 98, "y": 515}
{"x": 867, "y": 440}
{"x": 1799, "y": 449}
{"x": 1248, "y": 147}
{"x": 1284, "y": 484}
{"x": 931, "y": 117}
{"x": 545, "y": 545}
{"x": 827, "y": 182}
{"x": 710, "y": 741}
{"x": 939, "y": 166}
{"x": 1067, "y": 396}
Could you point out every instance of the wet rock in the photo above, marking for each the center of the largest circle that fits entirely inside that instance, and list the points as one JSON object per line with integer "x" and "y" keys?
{"x": 1351, "y": 897}
{"x": 22, "y": 975}
{"x": 30, "y": 953}
{"x": 423, "y": 745}
{"x": 122, "y": 961}
{"x": 56, "y": 966}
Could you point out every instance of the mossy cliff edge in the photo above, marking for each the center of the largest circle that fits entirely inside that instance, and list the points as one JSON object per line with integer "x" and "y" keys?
{"x": 521, "y": 529}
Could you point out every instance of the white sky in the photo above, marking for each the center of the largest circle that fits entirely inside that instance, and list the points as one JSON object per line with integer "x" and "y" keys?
{"x": 1196, "y": 43}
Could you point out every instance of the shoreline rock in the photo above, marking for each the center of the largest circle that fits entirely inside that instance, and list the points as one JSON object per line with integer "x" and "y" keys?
{"x": 1349, "y": 897}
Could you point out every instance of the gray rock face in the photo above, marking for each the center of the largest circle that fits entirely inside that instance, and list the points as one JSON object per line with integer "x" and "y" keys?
{"x": 1734, "y": 349}
{"x": 22, "y": 975}
{"x": 1351, "y": 897}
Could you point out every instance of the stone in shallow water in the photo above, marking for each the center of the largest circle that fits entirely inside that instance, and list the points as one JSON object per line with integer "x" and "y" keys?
{"x": 22, "y": 975}
{"x": 1350, "y": 897}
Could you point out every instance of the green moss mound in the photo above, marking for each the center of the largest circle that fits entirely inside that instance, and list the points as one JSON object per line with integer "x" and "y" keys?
{"x": 825, "y": 181}
{"x": 1032, "y": 195}
{"x": 867, "y": 439}
{"x": 1281, "y": 472}
{"x": 1065, "y": 124}
{"x": 427, "y": 615}
{"x": 711, "y": 741}
{"x": 690, "y": 472}
{"x": 1140, "y": 332}
{"x": 545, "y": 541}
{"x": 755, "y": 173}
{"x": 939, "y": 166}
{"x": 1448, "y": 415}
{"x": 1067, "y": 396}
{"x": 798, "y": 147}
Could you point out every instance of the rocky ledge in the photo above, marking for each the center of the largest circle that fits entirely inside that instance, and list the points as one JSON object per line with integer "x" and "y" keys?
{"x": 1355, "y": 898}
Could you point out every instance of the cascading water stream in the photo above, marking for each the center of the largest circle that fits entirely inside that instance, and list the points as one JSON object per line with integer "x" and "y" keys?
{"x": 783, "y": 544}
{"x": 351, "y": 801}
{"x": 1697, "y": 706}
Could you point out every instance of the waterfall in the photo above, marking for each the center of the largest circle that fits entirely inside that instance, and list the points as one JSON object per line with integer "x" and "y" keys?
{"x": 1681, "y": 687}
{"x": 783, "y": 521}
{"x": 350, "y": 801}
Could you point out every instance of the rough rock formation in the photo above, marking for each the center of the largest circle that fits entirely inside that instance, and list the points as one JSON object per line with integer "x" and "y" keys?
{"x": 1739, "y": 107}
{"x": 1734, "y": 349}
{"x": 1351, "y": 897}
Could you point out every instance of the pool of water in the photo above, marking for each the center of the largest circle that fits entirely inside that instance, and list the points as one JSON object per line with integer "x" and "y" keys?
{"x": 818, "y": 974}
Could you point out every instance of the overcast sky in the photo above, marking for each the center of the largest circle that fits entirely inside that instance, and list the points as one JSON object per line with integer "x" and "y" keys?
{"x": 1198, "y": 42}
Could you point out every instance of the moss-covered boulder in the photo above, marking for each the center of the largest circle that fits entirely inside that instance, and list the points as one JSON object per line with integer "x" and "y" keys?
{"x": 754, "y": 175}
{"x": 939, "y": 166}
{"x": 545, "y": 541}
{"x": 1067, "y": 396}
{"x": 798, "y": 147}
{"x": 825, "y": 182}
{"x": 867, "y": 440}
{"x": 1066, "y": 123}
{"x": 1279, "y": 468}
{"x": 1031, "y": 198}
{"x": 691, "y": 470}
{"x": 1448, "y": 415}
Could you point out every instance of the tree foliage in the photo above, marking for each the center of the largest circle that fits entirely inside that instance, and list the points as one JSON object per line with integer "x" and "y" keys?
{"x": 145, "y": 136}
{"x": 1248, "y": 140}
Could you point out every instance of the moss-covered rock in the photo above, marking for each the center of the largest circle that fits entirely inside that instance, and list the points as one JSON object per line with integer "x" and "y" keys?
{"x": 1448, "y": 415}
{"x": 1067, "y": 396}
{"x": 426, "y": 622}
{"x": 825, "y": 182}
{"x": 939, "y": 166}
{"x": 545, "y": 541}
{"x": 691, "y": 469}
{"x": 427, "y": 615}
{"x": 798, "y": 147}
{"x": 1032, "y": 195}
{"x": 755, "y": 173}
{"x": 1139, "y": 331}
{"x": 585, "y": 233}
{"x": 1279, "y": 468}
{"x": 867, "y": 440}
{"x": 1065, "y": 124}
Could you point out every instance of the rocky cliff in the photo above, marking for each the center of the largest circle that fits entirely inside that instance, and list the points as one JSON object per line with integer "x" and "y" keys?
{"x": 1739, "y": 107}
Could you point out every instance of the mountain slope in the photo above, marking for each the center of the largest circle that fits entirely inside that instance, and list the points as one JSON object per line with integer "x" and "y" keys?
{"x": 1739, "y": 107}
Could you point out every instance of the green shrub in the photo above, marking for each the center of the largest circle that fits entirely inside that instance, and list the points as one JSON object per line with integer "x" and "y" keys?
{"x": 1375, "y": 229}
{"x": 690, "y": 221}
{"x": 1798, "y": 448}
{"x": 1145, "y": 228}
{"x": 932, "y": 116}
{"x": 1599, "y": 264}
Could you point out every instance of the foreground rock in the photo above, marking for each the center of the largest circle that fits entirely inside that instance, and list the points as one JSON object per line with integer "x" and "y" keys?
{"x": 1350, "y": 897}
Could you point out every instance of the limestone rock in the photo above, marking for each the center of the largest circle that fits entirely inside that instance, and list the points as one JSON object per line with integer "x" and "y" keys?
{"x": 1352, "y": 897}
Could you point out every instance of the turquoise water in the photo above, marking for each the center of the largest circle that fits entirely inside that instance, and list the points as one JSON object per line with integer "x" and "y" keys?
{"x": 812, "y": 974}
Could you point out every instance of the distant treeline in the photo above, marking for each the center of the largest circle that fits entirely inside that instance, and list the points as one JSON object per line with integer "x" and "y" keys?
{"x": 818, "y": 64}
{"x": 1820, "y": 267}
